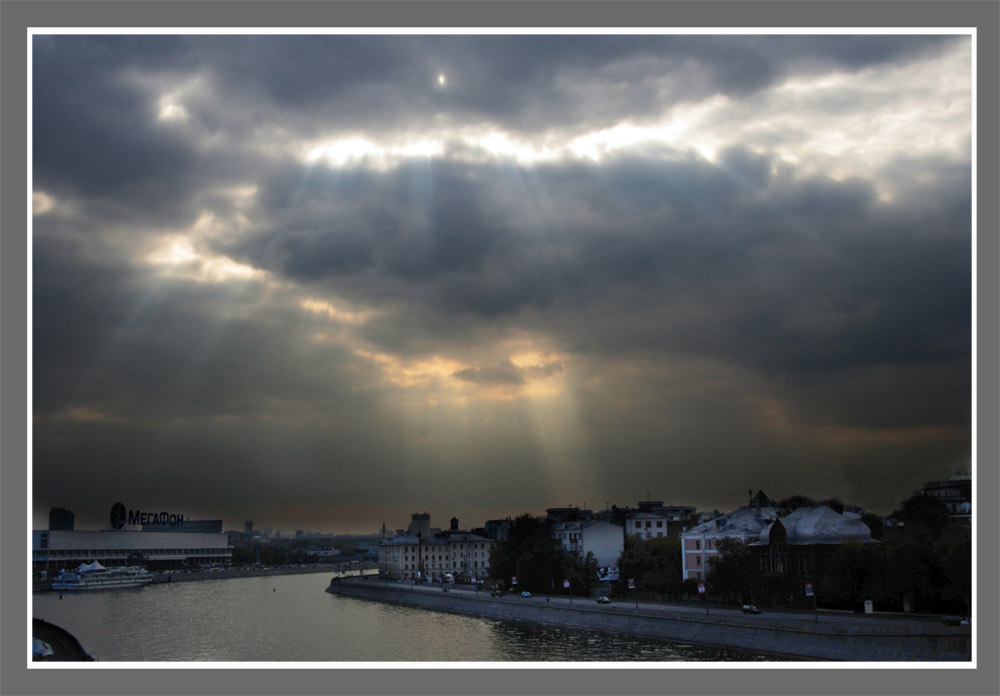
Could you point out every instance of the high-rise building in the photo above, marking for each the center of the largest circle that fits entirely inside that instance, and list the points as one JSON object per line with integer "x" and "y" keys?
{"x": 420, "y": 523}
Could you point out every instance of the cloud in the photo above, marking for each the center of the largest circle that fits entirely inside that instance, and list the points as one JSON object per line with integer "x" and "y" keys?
{"x": 582, "y": 266}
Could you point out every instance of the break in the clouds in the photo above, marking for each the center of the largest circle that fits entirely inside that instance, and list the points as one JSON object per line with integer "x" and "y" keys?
{"x": 325, "y": 281}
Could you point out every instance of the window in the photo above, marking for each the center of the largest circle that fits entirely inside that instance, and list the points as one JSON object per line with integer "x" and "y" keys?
{"x": 697, "y": 544}
{"x": 697, "y": 561}
{"x": 648, "y": 524}
{"x": 659, "y": 523}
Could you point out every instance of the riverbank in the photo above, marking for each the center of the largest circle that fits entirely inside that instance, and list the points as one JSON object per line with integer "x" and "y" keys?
{"x": 843, "y": 640}
{"x": 347, "y": 568}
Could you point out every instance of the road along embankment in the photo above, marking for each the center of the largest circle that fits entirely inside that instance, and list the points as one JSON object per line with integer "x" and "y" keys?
{"x": 856, "y": 641}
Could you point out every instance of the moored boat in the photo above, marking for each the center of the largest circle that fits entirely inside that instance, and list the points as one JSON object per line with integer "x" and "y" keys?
{"x": 94, "y": 576}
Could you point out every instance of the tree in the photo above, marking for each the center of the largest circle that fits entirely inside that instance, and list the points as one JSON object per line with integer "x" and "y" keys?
{"x": 924, "y": 516}
{"x": 582, "y": 574}
{"x": 792, "y": 502}
{"x": 954, "y": 551}
{"x": 655, "y": 564}
{"x": 855, "y": 573}
{"x": 531, "y": 553}
{"x": 729, "y": 570}
{"x": 874, "y": 523}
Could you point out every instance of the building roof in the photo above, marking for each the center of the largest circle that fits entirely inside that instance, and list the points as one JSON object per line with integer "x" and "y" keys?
{"x": 580, "y": 524}
{"x": 819, "y": 524}
{"x": 412, "y": 540}
{"x": 744, "y": 519}
{"x": 445, "y": 538}
{"x": 646, "y": 515}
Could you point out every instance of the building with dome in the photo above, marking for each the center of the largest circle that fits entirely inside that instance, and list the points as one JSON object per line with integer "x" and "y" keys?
{"x": 795, "y": 550}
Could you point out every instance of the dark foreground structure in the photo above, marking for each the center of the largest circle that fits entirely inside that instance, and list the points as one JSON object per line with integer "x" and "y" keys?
{"x": 844, "y": 640}
{"x": 62, "y": 644}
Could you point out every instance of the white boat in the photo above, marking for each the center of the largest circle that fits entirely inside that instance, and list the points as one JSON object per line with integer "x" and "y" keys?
{"x": 94, "y": 576}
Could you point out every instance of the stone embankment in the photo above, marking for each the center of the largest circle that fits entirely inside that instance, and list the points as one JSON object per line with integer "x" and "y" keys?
{"x": 250, "y": 572}
{"x": 850, "y": 639}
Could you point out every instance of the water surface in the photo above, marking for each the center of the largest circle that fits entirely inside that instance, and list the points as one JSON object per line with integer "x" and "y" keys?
{"x": 292, "y": 618}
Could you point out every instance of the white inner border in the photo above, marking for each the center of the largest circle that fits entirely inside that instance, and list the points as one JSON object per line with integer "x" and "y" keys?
{"x": 636, "y": 31}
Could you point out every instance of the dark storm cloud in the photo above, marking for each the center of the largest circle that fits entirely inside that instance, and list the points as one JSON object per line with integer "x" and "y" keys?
{"x": 725, "y": 234}
{"x": 713, "y": 317}
{"x": 96, "y": 98}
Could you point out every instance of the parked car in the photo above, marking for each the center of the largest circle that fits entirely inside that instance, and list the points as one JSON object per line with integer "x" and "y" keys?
{"x": 955, "y": 621}
{"x": 603, "y": 600}
{"x": 526, "y": 594}
{"x": 750, "y": 609}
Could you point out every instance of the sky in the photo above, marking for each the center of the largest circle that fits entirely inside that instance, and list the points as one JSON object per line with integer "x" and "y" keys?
{"x": 323, "y": 282}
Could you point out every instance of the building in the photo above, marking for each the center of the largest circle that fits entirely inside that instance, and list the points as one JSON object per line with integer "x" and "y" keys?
{"x": 188, "y": 526}
{"x": 460, "y": 554}
{"x": 646, "y": 525}
{"x": 157, "y": 540}
{"x": 603, "y": 539}
{"x": 955, "y": 492}
{"x": 653, "y": 519}
{"x": 797, "y": 549}
{"x": 53, "y": 549}
{"x": 700, "y": 543}
{"x": 568, "y": 514}
{"x": 496, "y": 530}
{"x": 420, "y": 523}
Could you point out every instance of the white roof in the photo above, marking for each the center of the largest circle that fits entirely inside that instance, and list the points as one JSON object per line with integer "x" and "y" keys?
{"x": 820, "y": 524}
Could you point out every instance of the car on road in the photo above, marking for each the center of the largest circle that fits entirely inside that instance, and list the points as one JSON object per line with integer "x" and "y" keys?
{"x": 603, "y": 600}
{"x": 954, "y": 621}
{"x": 750, "y": 609}
{"x": 526, "y": 594}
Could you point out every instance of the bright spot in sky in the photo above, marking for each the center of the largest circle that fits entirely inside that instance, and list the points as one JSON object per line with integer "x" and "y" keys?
{"x": 41, "y": 203}
{"x": 441, "y": 80}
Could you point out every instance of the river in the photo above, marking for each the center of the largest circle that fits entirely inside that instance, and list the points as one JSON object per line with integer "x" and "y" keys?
{"x": 291, "y": 618}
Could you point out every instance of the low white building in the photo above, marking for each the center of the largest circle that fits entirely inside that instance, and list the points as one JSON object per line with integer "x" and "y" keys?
{"x": 460, "y": 553}
{"x": 646, "y": 525}
{"x": 604, "y": 539}
{"x": 52, "y": 549}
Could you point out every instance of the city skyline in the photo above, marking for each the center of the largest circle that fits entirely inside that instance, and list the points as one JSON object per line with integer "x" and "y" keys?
{"x": 329, "y": 281}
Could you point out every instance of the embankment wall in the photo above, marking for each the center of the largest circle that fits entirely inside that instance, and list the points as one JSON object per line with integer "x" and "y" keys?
{"x": 842, "y": 640}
